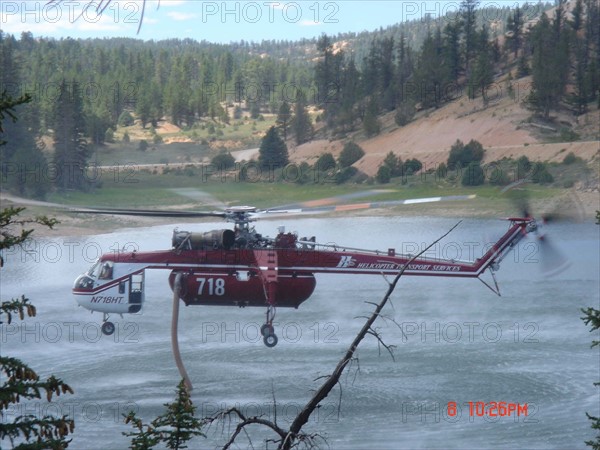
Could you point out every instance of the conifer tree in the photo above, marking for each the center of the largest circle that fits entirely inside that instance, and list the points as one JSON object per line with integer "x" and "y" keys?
{"x": 284, "y": 116}
{"x": 371, "y": 123}
{"x": 71, "y": 151}
{"x": 19, "y": 381}
{"x": 467, "y": 14}
{"x": 482, "y": 75}
{"x": 175, "y": 427}
{"x": 514, "y": 26}
{"x": 550, "y": 63}
{"x": 273, "y": 152}
{"x": 178, "y": 424}
{"x": 23, "y": 162}
{"x": 301, "y": 125}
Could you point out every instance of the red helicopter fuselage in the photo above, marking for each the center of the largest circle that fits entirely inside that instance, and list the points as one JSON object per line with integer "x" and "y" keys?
{"x": 280, "y": 273}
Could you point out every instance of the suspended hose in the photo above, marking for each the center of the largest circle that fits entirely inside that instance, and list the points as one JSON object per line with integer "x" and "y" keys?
{"x": 174, "y": 325}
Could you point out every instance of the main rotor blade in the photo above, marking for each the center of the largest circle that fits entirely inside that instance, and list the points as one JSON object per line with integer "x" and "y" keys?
{"x": 148, "y": 212}
{"x": 366, "y": 205}
{"x": 202, "y": 197}
{"x": 332, "y": 200}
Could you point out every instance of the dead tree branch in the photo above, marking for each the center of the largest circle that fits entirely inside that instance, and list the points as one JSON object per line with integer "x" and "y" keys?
{"x": 322, "y": 393}
{"x": 294, "y": 437}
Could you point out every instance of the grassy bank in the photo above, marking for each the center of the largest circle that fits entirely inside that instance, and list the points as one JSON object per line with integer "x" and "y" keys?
{"x": 130, "y": 188}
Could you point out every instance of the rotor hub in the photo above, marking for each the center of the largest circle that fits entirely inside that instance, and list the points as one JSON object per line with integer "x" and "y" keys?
{"x": 531, "y": 226}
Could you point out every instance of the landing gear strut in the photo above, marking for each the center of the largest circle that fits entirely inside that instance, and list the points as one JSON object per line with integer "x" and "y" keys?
{"x": 108, "y": 328}
{"x": 267, "y": 330}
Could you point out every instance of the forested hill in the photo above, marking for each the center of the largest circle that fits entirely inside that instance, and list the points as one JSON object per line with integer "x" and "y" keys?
{"x": 186, "y": 80}
{"x": 81, "y": 89}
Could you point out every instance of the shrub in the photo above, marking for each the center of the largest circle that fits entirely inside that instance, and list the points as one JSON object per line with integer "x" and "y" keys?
{"x": 412, "y": 166}
{"x": 474, "y": 175}
{"x": 351, "y": 153}
{"x": 570, "y": 159}
{"x": 345, "y": 174}
{"x": 540, "y": 174}
{"x": 384, "y": 174}
{"x": 523, "y": 167}
{"x": 325, "y": 162}
{"x": 223, "y": 160}
{"x": 462, "y": 155}
{"x": 499, "y": 177}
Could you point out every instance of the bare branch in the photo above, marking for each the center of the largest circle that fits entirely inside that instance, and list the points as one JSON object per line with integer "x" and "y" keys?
{"x": 389, "y": 348}
{"x": 293, "y": 437}
{"x": 302, "y": 417}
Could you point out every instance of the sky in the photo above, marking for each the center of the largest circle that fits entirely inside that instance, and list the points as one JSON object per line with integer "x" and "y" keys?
{"x": 214, "y": 21}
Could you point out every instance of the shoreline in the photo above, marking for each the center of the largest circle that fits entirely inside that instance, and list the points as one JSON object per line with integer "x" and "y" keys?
{"x": 579, "y": 206}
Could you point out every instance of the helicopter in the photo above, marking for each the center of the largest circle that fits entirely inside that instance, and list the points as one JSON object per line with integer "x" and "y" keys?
{"x": 240, "y": 267}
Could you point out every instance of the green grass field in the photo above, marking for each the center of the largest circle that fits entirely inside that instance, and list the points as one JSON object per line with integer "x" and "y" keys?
{"x": 143, "y": 189}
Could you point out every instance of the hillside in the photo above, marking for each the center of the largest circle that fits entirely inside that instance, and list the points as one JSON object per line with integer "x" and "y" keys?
{"x": 504, "y": 128}
{"x": 180, "y": 102}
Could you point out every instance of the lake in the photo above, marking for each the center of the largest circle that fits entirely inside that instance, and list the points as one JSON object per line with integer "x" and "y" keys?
{"x": 458, "y": 346}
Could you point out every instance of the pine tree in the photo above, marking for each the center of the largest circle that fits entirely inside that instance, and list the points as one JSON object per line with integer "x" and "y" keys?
{"x": 301, "y": 125}
{"x": 71, "y": 151}
{"x": 327, "y": 74}
{"x": 178, "y": 424}
{"x": 467, "y": 14}
{"x": 482, "y": 75}
{"x": 550, "y": 63}
{"x": 371, "y": 124}
{"x": 19, "y": 381}
{"x": 592, "y": 318}
{"x": 452, "y": 50}
{"x": 386, "y": 74}
{"x": 284, "y": 116}
{"x": 273, "y": 152}
{"x": 393, "y": 163}
{"x": 514, "y": 27}
{"x": 350, "y": 92}
{"x": 432, "y": 75}
{"x": 23, "y": 166}
{"x": 23, "y": 163}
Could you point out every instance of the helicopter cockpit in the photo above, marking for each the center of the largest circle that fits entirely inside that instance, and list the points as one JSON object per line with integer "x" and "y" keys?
{"x": 101, "y": 270}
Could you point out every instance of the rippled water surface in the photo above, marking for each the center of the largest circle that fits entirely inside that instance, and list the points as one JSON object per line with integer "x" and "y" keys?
{"x": 455, "y": 341}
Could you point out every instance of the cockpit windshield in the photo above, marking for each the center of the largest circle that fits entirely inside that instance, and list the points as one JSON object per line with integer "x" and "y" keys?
{"x": 84, "y": 282}
{"x": 101, "y": 270}
{"x": 95, "y": 269}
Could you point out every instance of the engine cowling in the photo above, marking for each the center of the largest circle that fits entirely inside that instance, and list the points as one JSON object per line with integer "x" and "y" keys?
{"x": 212, "y": 240}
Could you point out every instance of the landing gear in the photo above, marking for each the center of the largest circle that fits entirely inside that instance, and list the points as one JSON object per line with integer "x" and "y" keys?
{"x": 267, "y": 330}
{"x": 108, "y": 328}
{"x": 270, "y": 340}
